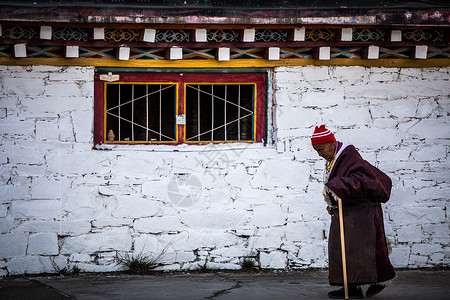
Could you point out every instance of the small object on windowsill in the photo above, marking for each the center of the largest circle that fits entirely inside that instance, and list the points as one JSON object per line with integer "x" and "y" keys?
{"x": 127, "y": 139}
{"x": 111, "y": 135}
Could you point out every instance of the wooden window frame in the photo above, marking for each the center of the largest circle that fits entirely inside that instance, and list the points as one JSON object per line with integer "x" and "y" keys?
{"x": 181, "y": 79}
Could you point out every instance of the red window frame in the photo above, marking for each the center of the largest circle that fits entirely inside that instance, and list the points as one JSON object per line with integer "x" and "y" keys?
{"x": 181, "y": 79}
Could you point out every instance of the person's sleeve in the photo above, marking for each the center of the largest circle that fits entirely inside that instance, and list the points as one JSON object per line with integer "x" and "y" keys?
{"x": 361, "y": 183}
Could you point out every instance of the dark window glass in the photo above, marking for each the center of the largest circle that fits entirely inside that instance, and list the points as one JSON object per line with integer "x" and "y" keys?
{"x": 141, "y": 112}
{"x": 220, "y": 112}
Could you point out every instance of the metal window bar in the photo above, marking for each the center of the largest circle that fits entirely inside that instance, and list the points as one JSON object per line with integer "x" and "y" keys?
{"x": 119, "y": 116}
{"x": 139, "y": 125}
{"x": 225, "y": 111}
{"x": 119, "y": 112}
{"x": 239, "y": 112}
{"x": 146, "y": 111}
{"x": 247, "y": 115}
{"x": 160, "y": 107}
{"x": 132, "y": 112}
{"x": 149, "y": 94}
{"x": 217, "y": 97}
{"x": 212, "y": 113}
{"x": 198, "y": 113}
{"x": 199, "y": 133}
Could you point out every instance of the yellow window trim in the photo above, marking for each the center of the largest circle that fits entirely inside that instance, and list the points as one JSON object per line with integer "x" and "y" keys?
{"x": 105, "y": 140}
{"x": 236, "y": 63}
{"x": 224, "y": 83}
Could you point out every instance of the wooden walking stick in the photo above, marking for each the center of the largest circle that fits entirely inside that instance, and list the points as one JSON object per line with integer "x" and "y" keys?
{"x": 344, "y": 263}
{"x": 341, "y": 229}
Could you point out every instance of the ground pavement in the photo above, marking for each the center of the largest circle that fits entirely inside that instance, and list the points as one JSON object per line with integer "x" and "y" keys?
{"x": 416, "y": 284}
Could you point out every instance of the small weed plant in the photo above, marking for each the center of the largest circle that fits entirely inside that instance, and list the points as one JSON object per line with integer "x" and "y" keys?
{"x": 139, "y": 264}
{"x": 248, "y": 263}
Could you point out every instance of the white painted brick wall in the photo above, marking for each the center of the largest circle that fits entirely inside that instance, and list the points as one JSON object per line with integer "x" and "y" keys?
{"x": 35, "y": 209}
{"x": 13, "y": 245}
{"x": 43, "y": 244}
{"x": 61, "y": 201}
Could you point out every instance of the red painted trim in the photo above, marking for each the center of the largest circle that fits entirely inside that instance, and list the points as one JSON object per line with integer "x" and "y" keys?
{"x": 261, "y": 105}
{"x": 99, "y": 110}
{"x": 259, "y": 78}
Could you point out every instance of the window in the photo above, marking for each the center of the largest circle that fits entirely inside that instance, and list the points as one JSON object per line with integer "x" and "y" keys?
{"x": 174, "y": 108}
{"x": 219, "y": 112}
{"x": 135, "y": 112}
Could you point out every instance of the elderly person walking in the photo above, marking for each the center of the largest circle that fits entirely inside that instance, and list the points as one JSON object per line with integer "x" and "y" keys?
{"x": 362, "y": 188}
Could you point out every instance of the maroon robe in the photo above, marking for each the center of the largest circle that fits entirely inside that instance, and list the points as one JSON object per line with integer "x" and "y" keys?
{"x": 361, "y": 187}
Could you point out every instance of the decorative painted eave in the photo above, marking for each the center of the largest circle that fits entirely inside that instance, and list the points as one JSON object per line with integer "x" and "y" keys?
{"x": 147, "y": 36}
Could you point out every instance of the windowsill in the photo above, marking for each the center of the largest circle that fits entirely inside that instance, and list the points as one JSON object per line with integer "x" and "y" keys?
{"x": 233, "y": 146}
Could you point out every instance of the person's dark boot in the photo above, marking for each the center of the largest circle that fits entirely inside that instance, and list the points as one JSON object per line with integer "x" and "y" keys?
{"x": 374, "y": 289}
{"x": 354, "y": 292}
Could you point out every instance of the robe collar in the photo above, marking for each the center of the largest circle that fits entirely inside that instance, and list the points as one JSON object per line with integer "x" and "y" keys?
{"x": 326, "y": 174}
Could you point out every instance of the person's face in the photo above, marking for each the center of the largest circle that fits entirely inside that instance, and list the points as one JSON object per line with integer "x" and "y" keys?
{"x": 325, "y": 150}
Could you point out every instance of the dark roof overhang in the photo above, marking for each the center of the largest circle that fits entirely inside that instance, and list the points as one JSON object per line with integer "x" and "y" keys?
{"x": 332, "y": 12}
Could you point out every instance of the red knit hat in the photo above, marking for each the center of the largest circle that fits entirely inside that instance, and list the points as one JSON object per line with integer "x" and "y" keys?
{"x": 322, "y": 135}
